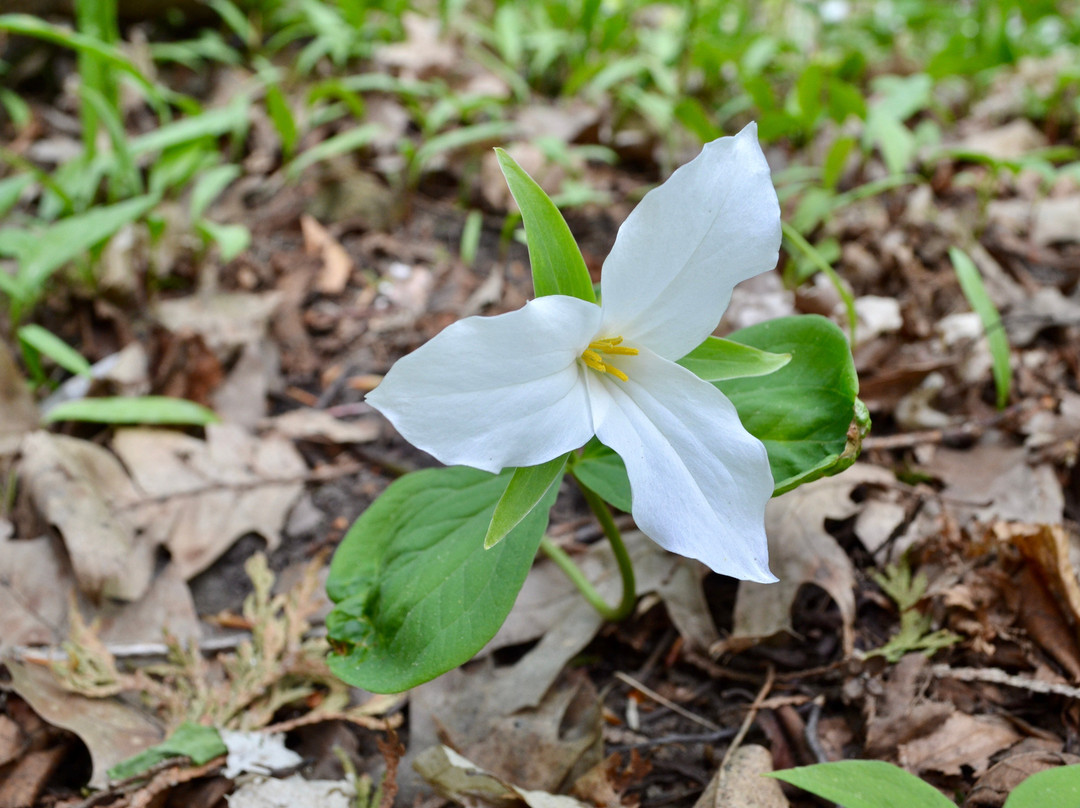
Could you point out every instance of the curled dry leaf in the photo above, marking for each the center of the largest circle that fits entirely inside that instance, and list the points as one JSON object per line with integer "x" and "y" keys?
{"x": 459, "y": 779}
{"x": 962, "y": 741}
{"x": 319, "y": 425}
{"x": 802, "y": 552}
{"x": 1000, "y": 779}
{"x": 83, "y": 490}
{"x": 111, "y": 729}
{"x": 739, "y": 782}
{"x": 337, "y": 266}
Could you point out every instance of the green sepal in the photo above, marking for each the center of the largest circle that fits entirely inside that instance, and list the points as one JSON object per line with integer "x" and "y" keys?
{"x": 557, "y": 265}
{"x": 718, "y": 359}
{"x": 416, "y": 593}
{"x": 527, "y": 488}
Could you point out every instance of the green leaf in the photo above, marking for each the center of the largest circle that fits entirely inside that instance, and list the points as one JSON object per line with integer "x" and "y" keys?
{"x": 458, "y": 138}
{"x": 29, "y": 25}
{"x": 232, "y": 239}
{"x": 835, "y": 161}
{"x": 11, "y": 188}
{"x": 209, "y": 187}
{"x": 416, "y": 592}
{"x": 133, "y": 410}
{"x": 211, "y": 124}
{"x": 802, "y": 412}
{"x": 975, "y": 292}
{"x": 793, "y": 236}
{"x": 1058, "y": 786}
{"x": 865, "y": 784}
{"x": 341, "y": 143}
{"x": 716, "y": 359}
{"x": 278, "y": 109}
{"x": 526, "y": 489}
{"x": 557, "y": 265}
{"x": 199, "y": 743}
{"x": 71, "y": 237}
{"x": 45, "y": 342}
{"x": 599, "y": 469}
{"x": 109, "y": 117}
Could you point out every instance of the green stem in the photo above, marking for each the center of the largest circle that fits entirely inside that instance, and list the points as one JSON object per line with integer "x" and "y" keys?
{"x": 622, "y": 557}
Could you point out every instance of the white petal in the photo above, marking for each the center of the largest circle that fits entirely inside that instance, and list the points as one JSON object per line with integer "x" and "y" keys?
{"x": 680, "y": 252}
{"x": 493, "y": 392}
{"x": 699, "y": 480}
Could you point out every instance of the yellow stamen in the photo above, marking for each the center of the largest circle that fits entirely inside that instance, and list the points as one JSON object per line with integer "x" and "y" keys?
{"x": 618, "y": 374}
{"x": 611, "y": 346}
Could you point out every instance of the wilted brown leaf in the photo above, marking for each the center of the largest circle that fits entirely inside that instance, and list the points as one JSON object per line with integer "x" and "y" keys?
{"x": 802, "y": 552}
{"x": 83, "y": 490}
{"x": 207, "y": 494}
{"x": 112, "y": 731}
{"x": 740, "y": 782}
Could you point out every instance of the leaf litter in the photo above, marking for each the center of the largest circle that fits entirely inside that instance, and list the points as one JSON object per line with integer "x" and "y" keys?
{"x": 980, "y": 505}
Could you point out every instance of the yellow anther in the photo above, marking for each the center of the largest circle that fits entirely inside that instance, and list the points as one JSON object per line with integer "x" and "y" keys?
{"x": 611, "y": 345}
{"x": 618, "y": 374}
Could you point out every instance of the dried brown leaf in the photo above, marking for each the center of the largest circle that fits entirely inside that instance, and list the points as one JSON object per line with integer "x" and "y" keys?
{"x": 802, "y": 552}
{"x": 83, "y": 490}
{"x": 740, "y": 782}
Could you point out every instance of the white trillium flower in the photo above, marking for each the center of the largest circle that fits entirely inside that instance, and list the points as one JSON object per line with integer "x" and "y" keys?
{"x": 522, "y": 388}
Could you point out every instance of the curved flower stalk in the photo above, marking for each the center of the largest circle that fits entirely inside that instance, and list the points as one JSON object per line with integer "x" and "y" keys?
{"x": 523, "y": 388}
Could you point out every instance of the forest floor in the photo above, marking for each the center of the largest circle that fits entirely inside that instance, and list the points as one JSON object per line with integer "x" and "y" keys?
{"x": 928, "y": 609}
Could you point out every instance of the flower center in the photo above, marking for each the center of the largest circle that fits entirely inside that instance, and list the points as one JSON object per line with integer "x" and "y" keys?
{"x": 591, "y": 356}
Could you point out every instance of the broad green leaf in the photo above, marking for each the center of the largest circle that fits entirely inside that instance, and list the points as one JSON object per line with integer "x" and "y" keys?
{"x": 71, "y": 237}
{"x": 972, "y": 285}
{"x": 45, "y": 342}
{"x": 416, "y": 593}
{"x": 526, "y": 489}
{"x": 1058, "y": 786}
{"x": 802, "y": 412}
{"x": 557, "y": 265}
{"x": 716, "y": 359}
{"x": 199, "y": 743}
{"x": 602, "y": 471}
{"x": 865, "y": 784}
{"x": 133, "y": 410}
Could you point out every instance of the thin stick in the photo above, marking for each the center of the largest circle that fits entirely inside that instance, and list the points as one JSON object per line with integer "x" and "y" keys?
{"x": 675, "y": 708}
{"x": 750, "y": 716}
{"x": 999, "y": 677}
